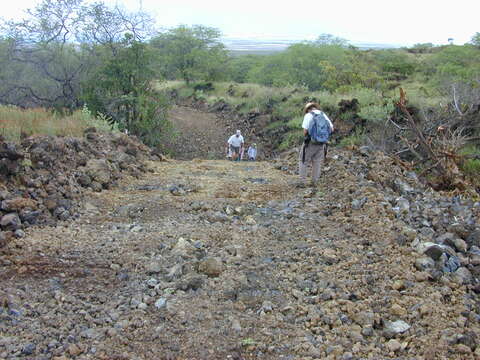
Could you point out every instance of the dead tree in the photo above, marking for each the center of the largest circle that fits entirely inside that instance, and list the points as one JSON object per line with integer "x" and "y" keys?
{"x": 437, "y": 152}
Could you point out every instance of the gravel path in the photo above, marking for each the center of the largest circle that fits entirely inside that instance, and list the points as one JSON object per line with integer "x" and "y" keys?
{"x": 209, "y": 259}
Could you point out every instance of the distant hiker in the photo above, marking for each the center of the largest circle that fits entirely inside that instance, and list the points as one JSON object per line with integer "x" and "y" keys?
{"x": 252, "y": 152}
{"x": 235, "y": 144}
{"x": 317, "y": 129}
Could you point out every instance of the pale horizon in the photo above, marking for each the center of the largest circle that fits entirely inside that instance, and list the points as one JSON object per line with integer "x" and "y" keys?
{"x": 370, "y": 21}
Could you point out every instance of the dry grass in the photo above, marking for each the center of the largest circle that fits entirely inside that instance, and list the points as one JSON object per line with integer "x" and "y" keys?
{"x": 15, "y": 121}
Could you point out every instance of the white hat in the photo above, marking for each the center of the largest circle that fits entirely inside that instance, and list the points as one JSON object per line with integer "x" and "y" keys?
{"x": 238, "y": 132}
{"x": 310, "y": 105}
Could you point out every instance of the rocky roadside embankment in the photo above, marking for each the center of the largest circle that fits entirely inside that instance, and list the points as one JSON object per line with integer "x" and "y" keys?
{"x": 441, "y": 227}
{"x": 222, "y": 260}
{"x": 43, "y": 179}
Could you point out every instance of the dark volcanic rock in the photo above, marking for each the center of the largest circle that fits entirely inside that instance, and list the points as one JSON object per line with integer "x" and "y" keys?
{"x": 45, "y": 176}
{"x": 10, "y": 222}
{"x": 474, "y": 238}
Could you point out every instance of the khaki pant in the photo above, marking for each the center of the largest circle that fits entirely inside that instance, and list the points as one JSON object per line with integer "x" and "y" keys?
{"x": 314, "y": 154}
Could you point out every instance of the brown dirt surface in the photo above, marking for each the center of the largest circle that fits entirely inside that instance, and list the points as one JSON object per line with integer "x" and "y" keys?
{"x": 210, "y": 259}
{"x": 197, "y": 134}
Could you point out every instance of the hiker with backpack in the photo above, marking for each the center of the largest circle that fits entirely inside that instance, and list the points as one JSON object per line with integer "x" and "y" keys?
{"x": 235, "y": 145}
{"x": 317, "y": 129}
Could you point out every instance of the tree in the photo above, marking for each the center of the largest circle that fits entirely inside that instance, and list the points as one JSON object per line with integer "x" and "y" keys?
{"x": 455, "y": 63}
{"x": 316, "y": 66}
{"x": 48, "y": 54}
{"x": 68, "y": 53}
{"x": 329, "y": 39}
{"x": 191, "y": 53}
{"x": 476, "y": 39}
{"x": 240, "y": 66}
{"x": 395, "y": 64}
{"x": 122, "y": 89}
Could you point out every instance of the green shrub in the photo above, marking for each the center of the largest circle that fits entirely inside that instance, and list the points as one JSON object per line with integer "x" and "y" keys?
{"x": 328, "y": 101}
{"x": 365, "y": 96}
{"x": 295, "y": 123}
{"x": 168, "y": 85}
{"x": 291, "y": 139}
{"x": 185, "y": 92}
{"x": 348, "y": 115}
{"x": 471, "y": 167}
{"x": 199, "y": 95}
{"x": 211, "y": 100}
{"x": 287, "y": 110}
{"x": 275, "y": 125}
{"x": 355, "y": 139}
{"x": 376, "y": 113}
{"x": 422, "y": 95}
{"x": 470, "y": 150}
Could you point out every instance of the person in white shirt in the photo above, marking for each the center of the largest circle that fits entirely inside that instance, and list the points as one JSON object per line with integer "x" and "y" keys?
{"x": 235, "y": 145}
{"x": 311, "y": 153}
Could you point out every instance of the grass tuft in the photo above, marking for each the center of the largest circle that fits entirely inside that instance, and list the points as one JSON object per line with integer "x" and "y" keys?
{"x": 15, "y": 122}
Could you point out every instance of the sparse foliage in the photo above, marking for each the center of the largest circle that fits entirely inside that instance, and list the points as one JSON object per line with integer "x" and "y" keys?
{"x": 47, "y": 55}
{"x": 122, "y": 89}
{"x": 68, "y": 52}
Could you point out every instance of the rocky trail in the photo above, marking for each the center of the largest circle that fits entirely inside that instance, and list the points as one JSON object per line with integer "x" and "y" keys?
{"x": 197, "y": 134}
{"x": 209, "y": 259}
{"x": 203, "y": 133}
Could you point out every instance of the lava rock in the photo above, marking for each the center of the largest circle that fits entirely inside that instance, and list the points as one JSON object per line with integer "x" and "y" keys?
{"x": 11, "y": 222}
{"x": 212, "y": 267}
{"x": 474, "y": 238}
{"x": 394, "y": 328}
{"x": 424, "y": 263}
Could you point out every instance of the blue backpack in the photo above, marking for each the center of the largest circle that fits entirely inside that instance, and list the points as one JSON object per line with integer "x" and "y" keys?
{"x": 319, "y": 129}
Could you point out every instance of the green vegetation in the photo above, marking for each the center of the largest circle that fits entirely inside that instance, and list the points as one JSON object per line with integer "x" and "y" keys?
{"x": 121, "y": 88}
{"x": 356, "y": 139}
{"x": 67, "y": 54}
{"x": 291, "y": 139}
{"x": 476, "y": 39}
{"x": 190, "y": 53}
{"x": 471, "y": 163}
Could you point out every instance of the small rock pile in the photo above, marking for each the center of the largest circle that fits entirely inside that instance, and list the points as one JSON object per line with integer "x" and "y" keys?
{"x": 43, "y": 178}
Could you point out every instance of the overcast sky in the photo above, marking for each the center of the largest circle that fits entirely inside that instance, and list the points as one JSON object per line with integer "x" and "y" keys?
{"x": 402, "y": 22}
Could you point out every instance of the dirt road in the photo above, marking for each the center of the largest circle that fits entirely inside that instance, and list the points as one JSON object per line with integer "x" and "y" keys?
{"x": 212, "y": 259}
{"x": 196, "y": 134}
